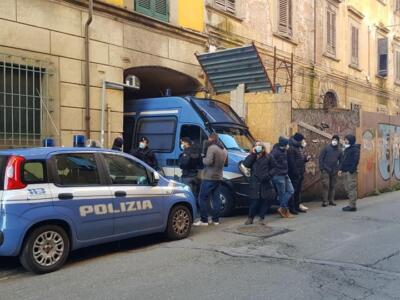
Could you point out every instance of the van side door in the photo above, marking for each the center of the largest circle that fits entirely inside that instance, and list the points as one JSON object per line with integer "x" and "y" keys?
{"x": 138, "y": 203}
{"x": 80, "y": 191}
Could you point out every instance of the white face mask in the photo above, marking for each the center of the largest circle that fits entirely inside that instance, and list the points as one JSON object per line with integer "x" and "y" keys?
{"x": 334, "y": 143}
{"x": 303, "y": 143}
{"x": 346, "y": 146}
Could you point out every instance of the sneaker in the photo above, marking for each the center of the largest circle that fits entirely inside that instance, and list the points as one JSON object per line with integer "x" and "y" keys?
{"x": 249, "y": 221}
{"x": 349, "y": 208}
{"x": 281, "y": 211}
{"x": 288, "y": 214}
{"x": 303, "y": 208}
{"x": 200, "y": 223}
{"x": 332, "y": 204}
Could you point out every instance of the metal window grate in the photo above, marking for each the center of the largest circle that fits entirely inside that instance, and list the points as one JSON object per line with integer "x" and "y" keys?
{"x": 24, "y": 90}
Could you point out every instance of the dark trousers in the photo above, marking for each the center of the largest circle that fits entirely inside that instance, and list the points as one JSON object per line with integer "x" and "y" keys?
{"x": 259, "y": 207}
{"x": 296, "y": 198}
{"x": 210, "y": 188}
{"x": 192, "y": 182}
{"x": 328, "y": 187}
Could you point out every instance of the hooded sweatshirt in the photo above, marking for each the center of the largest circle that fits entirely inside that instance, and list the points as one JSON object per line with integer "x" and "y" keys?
{"x": 351, "y": 156}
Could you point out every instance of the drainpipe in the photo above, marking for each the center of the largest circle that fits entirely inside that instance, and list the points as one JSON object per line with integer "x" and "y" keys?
{"x": 315, "y": 32}
{"x": 87, "y": 67}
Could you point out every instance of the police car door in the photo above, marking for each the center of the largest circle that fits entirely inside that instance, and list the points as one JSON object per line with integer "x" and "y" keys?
{"x": 137, "y": 202}
{"x": 80, "y": 191}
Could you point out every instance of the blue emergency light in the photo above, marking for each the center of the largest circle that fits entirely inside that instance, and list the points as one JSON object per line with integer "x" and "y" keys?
{"x": 79, "y": 141}
{"x": 48, "y": 142}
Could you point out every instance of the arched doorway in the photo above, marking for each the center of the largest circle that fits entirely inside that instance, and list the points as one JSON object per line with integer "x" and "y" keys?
{"x": 330, "y": 100}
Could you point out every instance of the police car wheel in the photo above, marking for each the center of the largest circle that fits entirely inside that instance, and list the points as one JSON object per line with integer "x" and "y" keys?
{"x": 227, "y": 202}
{"x": 45, "y": 249}
{"x": 179, "y": 223}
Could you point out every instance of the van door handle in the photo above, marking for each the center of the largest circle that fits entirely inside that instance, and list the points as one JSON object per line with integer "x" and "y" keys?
{"x": 65, "y": 196}
{"x": 120, "y": 194}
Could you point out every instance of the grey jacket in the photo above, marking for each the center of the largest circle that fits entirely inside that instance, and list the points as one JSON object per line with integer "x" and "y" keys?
{"x": 214, "y": 162}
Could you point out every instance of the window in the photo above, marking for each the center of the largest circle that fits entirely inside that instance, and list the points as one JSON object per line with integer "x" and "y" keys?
{"x": 20, "y": 104}
{"x": 196, "y": 135}
{"x": 397, "y": 68}
{"x": 285, "y": 17}
{"x": 125, "y": 171}
{"x": 354, "y": 45}
{"x": 331, "y": 31}
{"x": 76, "y": 169}
{"x": 160, "y": 132}
{"x": 157, "y": 9}
{"x": 33, "y": 172}
{"x": 225, "y": 5}
{"x": 382, "y": 56}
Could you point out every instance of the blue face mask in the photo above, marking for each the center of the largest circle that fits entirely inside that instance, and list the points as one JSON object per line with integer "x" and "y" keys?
{"x": 258, "y": 149}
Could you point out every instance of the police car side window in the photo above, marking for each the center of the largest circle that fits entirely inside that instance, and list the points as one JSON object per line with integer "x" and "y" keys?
{"x": 33, "y": 172}
{"x": 124, "y": 171}
{"x": 76, "y": 169}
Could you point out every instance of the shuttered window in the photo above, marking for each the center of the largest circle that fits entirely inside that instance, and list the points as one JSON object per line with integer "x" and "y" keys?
{"x": 226, "y": 5}
{"x": 157, "y": 9}
{"x": 397, "y": 61}
{"x": 354, "y": 45}
{"x": 331, "y": 31}
{"x": 382, "y": 57}
{"x": 285, "y": 17}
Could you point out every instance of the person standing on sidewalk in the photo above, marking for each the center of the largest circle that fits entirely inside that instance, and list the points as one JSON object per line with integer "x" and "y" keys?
{"x": 329, "y": 160}
{"x": 281, "y": 178}
{"x": 214, "y": 162}
{"x": 297, "y": 167}
{"x": 189, "y": 163}
{"x": 262, "y": 192}
{"x": 348, "y": 169}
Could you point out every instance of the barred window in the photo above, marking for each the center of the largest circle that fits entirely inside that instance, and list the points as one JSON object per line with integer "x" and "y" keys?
{"x": 20, "y": 104}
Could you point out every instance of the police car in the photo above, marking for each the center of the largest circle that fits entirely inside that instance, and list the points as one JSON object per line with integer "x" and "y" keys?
{"x": 54, "y": 200}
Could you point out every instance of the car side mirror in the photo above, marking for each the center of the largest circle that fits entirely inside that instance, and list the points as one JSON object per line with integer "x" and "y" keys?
{"x": 155, "y": 177}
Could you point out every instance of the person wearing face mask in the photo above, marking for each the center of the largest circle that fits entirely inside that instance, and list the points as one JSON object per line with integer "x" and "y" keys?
{"x": 297, "y": 165}
{"x": 144, "y": 153}
{"x": 348, "y": 169}
{"x": 262, "y": 192}
{"x": 329, "y": 159}
{"x": 281, "y": 178}
{"x": 189, "y": 163}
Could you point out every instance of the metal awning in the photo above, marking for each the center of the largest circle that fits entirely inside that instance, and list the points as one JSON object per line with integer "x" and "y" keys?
{"x": 226, "y": 69}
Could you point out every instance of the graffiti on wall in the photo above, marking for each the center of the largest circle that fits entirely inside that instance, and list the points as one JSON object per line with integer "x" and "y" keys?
{"x": 389, "y": 151}
{"x": 368, "y": 149}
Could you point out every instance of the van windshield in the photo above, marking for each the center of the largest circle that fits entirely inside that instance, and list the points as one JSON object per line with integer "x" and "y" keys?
{"x": 217, "y": 112}
{"x": 235, "y": 138}
{"x": 3, "y": 162}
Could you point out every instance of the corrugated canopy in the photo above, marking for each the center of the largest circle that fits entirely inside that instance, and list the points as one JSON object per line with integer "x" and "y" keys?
{"x": 226, "y": 69}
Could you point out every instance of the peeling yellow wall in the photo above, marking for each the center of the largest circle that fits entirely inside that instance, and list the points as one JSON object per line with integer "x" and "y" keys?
{"x": 191, "y": 14}
{"x": 115, "y": 2}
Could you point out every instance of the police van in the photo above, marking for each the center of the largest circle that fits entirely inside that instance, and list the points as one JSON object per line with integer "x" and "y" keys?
{"x": 164, "y": 121}
{"x": 54, "y": 200}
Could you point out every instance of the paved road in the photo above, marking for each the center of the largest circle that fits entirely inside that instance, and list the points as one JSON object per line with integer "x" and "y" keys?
{"x": 324, "y": 254}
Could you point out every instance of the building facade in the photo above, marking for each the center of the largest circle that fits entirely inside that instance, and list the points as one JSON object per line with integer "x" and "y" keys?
{"x": 346, "y": 56}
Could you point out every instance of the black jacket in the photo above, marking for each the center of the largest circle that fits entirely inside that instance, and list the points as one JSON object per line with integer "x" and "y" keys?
{"x": 351, "y": 157}
{"x": 190, "y": 162}
{"x": 329, "y": 159}
{"x": 262, "y": 170}
{"x": 147, "y": 156}
{"x": 296, "y": 160}
{"x": 281, "y": 160}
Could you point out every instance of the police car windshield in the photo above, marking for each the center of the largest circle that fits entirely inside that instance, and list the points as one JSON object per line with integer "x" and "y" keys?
{"x": 235, "y": 138}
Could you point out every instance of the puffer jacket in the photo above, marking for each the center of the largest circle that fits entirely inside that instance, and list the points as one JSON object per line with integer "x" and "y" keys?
{"x": 296, "y": 159}
{"x": 262, "y": 170}
{"x": 281, "y": 160}
{"x": 351, "y": 156}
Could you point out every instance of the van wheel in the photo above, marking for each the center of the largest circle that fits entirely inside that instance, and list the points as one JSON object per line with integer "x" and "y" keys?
{"x": 179, "y": 223}
{"x": 227, "y": 202}
{"x": 45, "y": 249}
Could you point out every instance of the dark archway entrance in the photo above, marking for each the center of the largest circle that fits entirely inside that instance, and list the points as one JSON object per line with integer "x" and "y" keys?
{"x": 330, "y": 100}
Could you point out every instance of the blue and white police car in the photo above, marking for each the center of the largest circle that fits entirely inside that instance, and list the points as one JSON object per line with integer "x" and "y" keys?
{"x": 54, "y": 200}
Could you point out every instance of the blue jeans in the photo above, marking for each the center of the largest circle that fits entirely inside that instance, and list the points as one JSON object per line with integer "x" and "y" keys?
{"x": 284, "y": 188}
{"x": 210, "y": 188}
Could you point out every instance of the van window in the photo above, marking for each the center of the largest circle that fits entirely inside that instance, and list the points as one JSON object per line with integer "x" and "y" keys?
{"x": 125, "y": 171}
{"x": 195, "y": 133}
{"x": 75, "y": 169}
{"x": 160, "y": 132}
{"x": 3, "y": 163}
{"x": 33, "y": 172}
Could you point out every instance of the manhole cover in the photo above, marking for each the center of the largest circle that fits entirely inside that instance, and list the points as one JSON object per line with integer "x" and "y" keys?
{"x": 257, "y": 230}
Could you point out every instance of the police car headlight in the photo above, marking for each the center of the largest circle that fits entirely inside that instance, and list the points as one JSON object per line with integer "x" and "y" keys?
{"x": 187, "y": 188}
